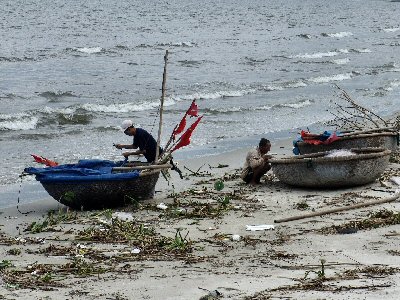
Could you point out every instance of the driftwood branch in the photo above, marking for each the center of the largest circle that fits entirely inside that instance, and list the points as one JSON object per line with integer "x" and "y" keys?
{"x": 353, "y": 116}
{"x": 334, "y": 210}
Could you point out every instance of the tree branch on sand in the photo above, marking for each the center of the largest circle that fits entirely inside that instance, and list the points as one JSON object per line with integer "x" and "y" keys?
{"x": 352, "y": 116}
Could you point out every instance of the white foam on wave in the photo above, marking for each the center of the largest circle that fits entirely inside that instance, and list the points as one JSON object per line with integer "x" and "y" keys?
{"x": 297, "y": 105}
{"x": 22, "y": 123}
{"x": 89, "y": 50}
{"x": 393, "y": 85}
{"x": 212, "y": 95}
{"x": 227, "y": 109}
{"x": 265, "y": 107}
{"x": 273, "y": 88}
{"x": 64, "y": 111}
{"x": 340, "y": 34}
{"x": 296, "y": 84}
{"x": 125, "y": 107}
{"x": 391, "y": 29}
{"x": 364, "y": 50}
{"x": 316, "y": 55}
{"x": 338, "y": 77}
{"x": 341, "y": 61}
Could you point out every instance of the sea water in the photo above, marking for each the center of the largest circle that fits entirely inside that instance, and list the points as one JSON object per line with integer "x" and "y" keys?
{"x": 71, "y": 71}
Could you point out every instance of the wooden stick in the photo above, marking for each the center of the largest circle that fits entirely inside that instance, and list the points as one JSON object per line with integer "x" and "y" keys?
{"x": 162, "y": 104}
{"x": 334, "y": 210}
{"x": 166, "y": 166}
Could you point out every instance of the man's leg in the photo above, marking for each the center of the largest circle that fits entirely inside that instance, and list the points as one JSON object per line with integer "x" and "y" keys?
{"x": 259, "y": 172}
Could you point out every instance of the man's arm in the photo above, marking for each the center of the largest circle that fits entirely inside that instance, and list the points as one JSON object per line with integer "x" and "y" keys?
{"x": 255, "y": 160}
{"x": 121, "y": 146}
{"x": 138, "y": 152}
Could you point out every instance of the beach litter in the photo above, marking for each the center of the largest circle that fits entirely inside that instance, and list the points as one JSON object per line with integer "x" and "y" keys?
{"x": 135, "y": 251}
{"x": 162, "y": 206}
{"x": 236, "y": 237}
{"x": 259, "y": 227}
{"x": 123, "y": 216}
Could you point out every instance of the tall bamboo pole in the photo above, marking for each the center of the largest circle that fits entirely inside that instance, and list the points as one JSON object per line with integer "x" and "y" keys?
{"x": 162, "y": 104}
{"x": 334, "y": 210}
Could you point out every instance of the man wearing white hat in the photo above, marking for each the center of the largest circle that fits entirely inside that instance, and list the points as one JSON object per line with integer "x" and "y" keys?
{"x": 141, "y": 139}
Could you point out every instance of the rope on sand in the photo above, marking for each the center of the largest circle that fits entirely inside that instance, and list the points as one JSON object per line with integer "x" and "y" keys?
{"x": 19, "y": 195}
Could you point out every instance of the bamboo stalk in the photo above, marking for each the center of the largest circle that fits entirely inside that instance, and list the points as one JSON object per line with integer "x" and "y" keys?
{"x": 162, "y": 104}
{"x": 334, "y": 210}
{"x": 150, "y": 167}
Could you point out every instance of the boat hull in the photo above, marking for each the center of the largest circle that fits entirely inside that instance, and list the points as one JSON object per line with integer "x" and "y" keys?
{"x": 103, "y": 194}
{"x": 387, "y": 140}
{"x": 318, "y": 171}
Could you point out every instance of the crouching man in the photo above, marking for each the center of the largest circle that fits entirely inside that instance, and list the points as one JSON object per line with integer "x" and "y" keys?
{"x": 257, "y": 162}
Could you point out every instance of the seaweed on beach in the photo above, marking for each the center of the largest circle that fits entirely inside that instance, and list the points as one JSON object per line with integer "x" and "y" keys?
{"x": 53, "y": 218}
{"x": 327, "y": 284}
{"x": 369, "y": 271}
{"x": 378, "y": 219}
{"x": 138, "y": 236}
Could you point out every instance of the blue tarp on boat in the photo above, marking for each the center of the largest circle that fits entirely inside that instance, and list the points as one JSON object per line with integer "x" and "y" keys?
{"x": 84, "y": 170}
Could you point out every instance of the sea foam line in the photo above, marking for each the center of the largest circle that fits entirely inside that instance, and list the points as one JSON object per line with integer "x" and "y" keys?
{"x": 19, "y": 124}
{"x": 391, "y": 29}
{"x": 316, "y": 55}
{"x": 339, "y": 34}
{"x": 89, "y": 50}
{"x": 325, "y": 79}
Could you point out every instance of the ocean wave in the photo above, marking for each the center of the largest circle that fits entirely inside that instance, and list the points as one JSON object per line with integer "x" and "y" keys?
{"x": 363, "y": 50}
{"x": 294, "y": 84}
{"x": 178, "y": 44}
{"x": 16, "y": 59}
{"x": 316, "y": 55}
{"x": 341, "y": 61}
{"x": 297, "y": 105}
{"x": 124, "y": 107}
{"x": 392, "y": 86}
{"x": 225, "y": 110}
{"x": 391, "y": 29}
{"x": 22, "y": 122}
{"x": 304, "y": 36}
{"x": 338, "y": 34}
{"x": 89, "y": 50}
{"x": 337, "y": 77}
{"x": 212, "y": 95}
{"x": 270, "y": 88}
{"x": 56, "y": 95}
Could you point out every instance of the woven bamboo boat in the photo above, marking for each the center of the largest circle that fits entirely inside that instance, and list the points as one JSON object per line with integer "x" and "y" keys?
{"x": 363, "y": 139}
{"x": 319, "y": 171}
{"x": 103, "y": 194}
{"x": 89, "y": 187}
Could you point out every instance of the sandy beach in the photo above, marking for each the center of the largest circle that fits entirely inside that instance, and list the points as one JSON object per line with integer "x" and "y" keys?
{"x": 194, "y": 242}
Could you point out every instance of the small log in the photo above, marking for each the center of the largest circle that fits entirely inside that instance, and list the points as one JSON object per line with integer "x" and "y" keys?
{"x": 166, "y": 166}
{"x": 334, "y": 210}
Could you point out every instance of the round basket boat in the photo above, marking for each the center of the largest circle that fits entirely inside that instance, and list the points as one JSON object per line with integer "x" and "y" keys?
{"x": 103, "y": 194}
{"x": 319, "y": 170}
{"x": 388, "y": 140}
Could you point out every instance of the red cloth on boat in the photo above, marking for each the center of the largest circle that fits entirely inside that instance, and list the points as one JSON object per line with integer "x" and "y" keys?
{"x": 315, "y": 139}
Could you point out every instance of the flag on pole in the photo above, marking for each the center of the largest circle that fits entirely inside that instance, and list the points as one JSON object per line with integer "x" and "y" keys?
{"x": 193, "y": 109}
{"x": 185, "y": 138}
{"x": 193, "y": 112}
{"x": 43, "y": 160}
{"x": 179, "y": 129}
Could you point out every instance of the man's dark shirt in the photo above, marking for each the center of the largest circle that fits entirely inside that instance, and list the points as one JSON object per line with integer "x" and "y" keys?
{"x": 144, "y": 141}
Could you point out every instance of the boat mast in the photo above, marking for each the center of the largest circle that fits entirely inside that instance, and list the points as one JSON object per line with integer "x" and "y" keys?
{"x": 162, "y": 104}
